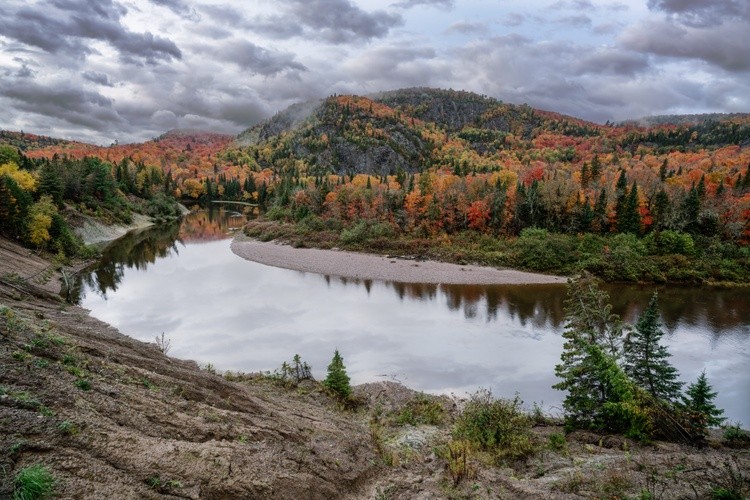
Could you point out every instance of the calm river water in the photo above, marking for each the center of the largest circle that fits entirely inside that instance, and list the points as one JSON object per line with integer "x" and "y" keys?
{"x": 217, "y": 308}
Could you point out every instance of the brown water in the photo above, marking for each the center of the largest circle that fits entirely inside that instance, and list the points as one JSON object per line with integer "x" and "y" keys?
{"x": 217, "y": 308}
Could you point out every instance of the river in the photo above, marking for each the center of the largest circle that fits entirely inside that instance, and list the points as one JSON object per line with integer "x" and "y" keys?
{"x": 218, "y": 308}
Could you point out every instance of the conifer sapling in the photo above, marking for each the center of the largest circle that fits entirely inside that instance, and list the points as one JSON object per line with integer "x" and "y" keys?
{"x": 337, "y": 380}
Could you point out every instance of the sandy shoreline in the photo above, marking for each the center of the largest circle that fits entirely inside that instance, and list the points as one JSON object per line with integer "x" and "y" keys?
{"x": 377, "y": 267}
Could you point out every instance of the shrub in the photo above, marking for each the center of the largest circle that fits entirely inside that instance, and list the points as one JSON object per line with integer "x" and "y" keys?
{"x": 291, "y": 374}
{"x": 670, "y": 242}
{"x": 736, "y": 437}
{"x": 357, "y": 234}
{"x": 421, "y": 410}
{"x": 498, "y": 426}
{"x": 278, "y": 213}
{"x": 32, "y": 483}
{"x": 539, "y": 250}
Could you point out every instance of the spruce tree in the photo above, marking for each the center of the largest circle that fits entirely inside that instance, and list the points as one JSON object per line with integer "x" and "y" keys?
{"x": 699, "y": 398}
{"x": 646, "y": 360}
{"x": 591, "y": 334}
{"x": 337, "y": 380}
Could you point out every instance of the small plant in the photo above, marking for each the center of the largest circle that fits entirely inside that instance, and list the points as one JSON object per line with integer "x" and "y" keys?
{"x": 337, "y": 380}
{"x": 458, "y": 455}
{"x": 32, "y": 483}
{"x": 210, "y": 368}
{"x": 730, "y": 483}
{"x": 162, "y": 485}
{"x": 163, "y": 343}
{"x": 16, "y": 447}
{"x": 83, "y": 384}
{"x": 67, "y": 427}
{"x": 148, "y": 384}
{"x": 291, "y": 374}
{"x": 735, "y": 436}
{"x": 421, "y": 410}
{"x": 558, "y": 442}
{"x": 498, "y": 426}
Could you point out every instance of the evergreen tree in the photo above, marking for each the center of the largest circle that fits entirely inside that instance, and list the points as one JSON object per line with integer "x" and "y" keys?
{"x": 646, "y": 360}
{"x": 691, "y": 208}
{"x": 596, "y": 168}
{"x": 699, "y": 398}
{"x": 628, "y": 216}
{"x": 601, "y": 222}
{"x": 662, "y": 210}
{"x": 592, "y": 333}
{"x": 337, "y": 380}
{"x": 51, "y": 184}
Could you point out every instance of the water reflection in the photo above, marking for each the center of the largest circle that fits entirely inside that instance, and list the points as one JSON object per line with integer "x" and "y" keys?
{"x": 438, "y": 338}
{"x": 137, "y": 249}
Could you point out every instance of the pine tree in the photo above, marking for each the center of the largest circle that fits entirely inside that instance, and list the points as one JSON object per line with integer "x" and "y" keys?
{"x": 646, "y": 360}
{"x": 337, "y": 380}
{"x": 592, "y": 333}
{"x": 699, "y": 398}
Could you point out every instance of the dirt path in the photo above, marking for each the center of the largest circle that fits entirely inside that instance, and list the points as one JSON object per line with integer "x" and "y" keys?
{"x": 378, "y": 267}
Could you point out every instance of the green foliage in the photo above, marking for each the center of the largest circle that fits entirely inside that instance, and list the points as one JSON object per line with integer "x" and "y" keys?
{"x": 600, "y": 394}
{"x": 646, "y": 361}
{"x": 558, "y": 442}
{"x": 162, "y": 207}
{"x": 83, "y": 384}
{"x": 539, "y": 250}
{"x": 735, "y": 436}
{"x": 337, "y": 381}
{"x": 67, "y": 427}
{"x": 363, "y": 231}
{"x": 458, "y": 455}
{"x": 591, "y": 331}
{"x": 278, "y": 213}
{"x": 291, "y": 374}
{"x": 33, "y": 483}
{"x": 498, "y": 426}
{"x": 669, "y": 242}
{"x": 421, "y": 410}
{"x": 699, "y": 398}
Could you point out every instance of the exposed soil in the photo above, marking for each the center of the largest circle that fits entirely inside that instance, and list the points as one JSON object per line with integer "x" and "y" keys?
{"x": 114, "y": 417}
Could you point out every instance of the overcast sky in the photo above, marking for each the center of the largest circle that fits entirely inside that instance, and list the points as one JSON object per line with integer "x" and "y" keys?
{"x": 129, "y": 70}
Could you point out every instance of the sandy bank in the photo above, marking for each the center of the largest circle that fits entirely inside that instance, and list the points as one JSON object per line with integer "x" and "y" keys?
{"x": 378, "y": 267}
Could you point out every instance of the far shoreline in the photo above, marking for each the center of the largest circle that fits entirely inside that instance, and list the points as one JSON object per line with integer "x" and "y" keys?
{"x": 369, "y": 266}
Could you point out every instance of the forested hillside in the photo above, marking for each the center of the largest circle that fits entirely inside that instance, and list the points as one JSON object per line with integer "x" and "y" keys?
{"x": 439, "y": 164}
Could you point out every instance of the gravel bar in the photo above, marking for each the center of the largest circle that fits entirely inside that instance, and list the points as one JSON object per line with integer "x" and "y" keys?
{"x": 378, "y": 267}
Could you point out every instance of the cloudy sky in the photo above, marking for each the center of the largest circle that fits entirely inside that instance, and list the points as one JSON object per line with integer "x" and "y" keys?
{"x": 128, "y": 70}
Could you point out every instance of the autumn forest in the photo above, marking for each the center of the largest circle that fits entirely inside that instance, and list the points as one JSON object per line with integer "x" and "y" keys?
{"x": 441, "y": 174}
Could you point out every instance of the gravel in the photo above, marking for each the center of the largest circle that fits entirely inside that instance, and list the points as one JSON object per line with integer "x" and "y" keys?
{"x": 377, "y": 267}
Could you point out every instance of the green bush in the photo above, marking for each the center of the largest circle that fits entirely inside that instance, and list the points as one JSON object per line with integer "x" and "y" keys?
{"x": 357, "y": 234}
{"x": 539, "y": 250}
{"x": 278, "y": 213}
{"x": 498, "y": 426}
{"x": 311, "y": 223}
{"x": 669, "y": 242}
{"x": 162, "y": 207}
{"x": 421, "y": 410}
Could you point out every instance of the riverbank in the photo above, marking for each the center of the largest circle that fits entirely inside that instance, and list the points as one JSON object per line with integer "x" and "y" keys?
{"x": 95, "y": 232}
{"x": 107, "y": 415}
{"x": 366, "y": 266}
{"x": 667, "y": 258}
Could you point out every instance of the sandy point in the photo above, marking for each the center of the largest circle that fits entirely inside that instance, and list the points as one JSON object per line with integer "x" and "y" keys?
{"x": 380, "y": 267}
